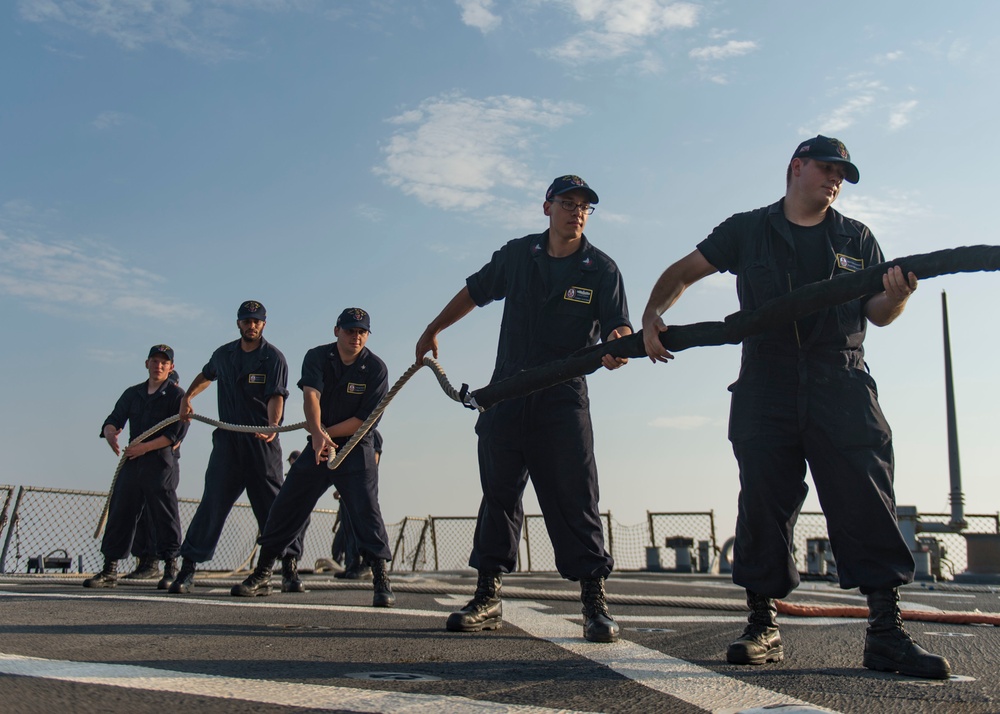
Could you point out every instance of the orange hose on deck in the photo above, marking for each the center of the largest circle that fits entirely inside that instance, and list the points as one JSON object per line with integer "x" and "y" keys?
{"x": 959, "y": 618}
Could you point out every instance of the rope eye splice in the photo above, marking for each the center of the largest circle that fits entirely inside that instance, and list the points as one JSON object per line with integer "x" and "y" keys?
{"x": 468, "y": 400}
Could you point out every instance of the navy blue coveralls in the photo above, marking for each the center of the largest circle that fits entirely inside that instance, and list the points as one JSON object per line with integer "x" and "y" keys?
{"x": 246, "y": 382}
{"x": 346, "y": 391}
{"x": 148, "y": 483}
{"x": 804, "y": 395}
{"x": 546, "y": 435}
{"x": 344, "y": 548}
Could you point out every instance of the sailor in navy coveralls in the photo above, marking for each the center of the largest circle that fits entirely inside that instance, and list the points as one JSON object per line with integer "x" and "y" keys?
{"x": 147, "y": 482}
{"x": 342, "y": 384}
{"x": 253, "y": 376}
{"x": 804, "y": 396}
{"x": 561, "y": 294}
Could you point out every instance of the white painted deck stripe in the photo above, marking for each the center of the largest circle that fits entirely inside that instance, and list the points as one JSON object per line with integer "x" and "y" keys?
{"x": 235, "y": 602}
{"x": 310, "y": 696}
{"x": 650, "y": 668}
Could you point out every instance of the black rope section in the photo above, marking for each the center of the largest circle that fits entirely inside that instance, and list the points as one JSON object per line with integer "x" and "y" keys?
{"x": 744, "y": 323}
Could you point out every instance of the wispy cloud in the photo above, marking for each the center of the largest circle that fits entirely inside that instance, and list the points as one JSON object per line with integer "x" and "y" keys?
{"x": 621, "y": 26}
{"x": 900, "y": 115}
{"x": 463, "y": 154}
{"x": 371, "y": 213}
{"x": 680, "y": 423}
{"x": 109, "y": 120}
{"x": 852, "y": 101}
{"x": 863, "y": 98}
{"x": 890, "y": 56}
{"x": 479, "y": 14}
{"x": 891, "y": 212}
{"x": 203, "y": 29}
{"x": 733, "y": 48}
{"x": 70, "y": 277}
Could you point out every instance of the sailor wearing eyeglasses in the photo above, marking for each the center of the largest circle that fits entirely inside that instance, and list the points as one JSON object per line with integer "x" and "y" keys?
{"x": 561, "y": 295}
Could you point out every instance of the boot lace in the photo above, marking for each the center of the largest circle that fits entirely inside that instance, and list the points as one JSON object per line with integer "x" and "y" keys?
{"x": 594, "y": 599}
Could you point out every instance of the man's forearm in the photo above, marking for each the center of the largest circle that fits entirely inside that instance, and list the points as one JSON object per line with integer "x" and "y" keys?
{"x": 275, "y": 409}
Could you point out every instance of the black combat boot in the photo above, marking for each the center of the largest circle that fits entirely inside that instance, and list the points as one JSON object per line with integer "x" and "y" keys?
{"x": 597, "y": 623}
{"x": 358, "y": 570}
{"x": 184, "y": 582}
{"x": 888, "y": 647}
{"x": 290, "y": 582}
{"x": 484, "y": 611}
{"x": 383, "y": 596}
{"x": 146, "y": 569}
{"x": 169, "y": 573}
{"x": 760, "y": 641}
{"x": 258, "y": 583}
{"x": 107, "y": 578}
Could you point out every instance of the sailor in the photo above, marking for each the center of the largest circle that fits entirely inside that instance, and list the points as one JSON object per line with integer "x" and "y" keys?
{"x": 147, "y": 482}
{"x": 805, "y": 396}
{"x": 561, "y": 294}
{"x": 341, "y": 384}
{"x": 253, "y": 377}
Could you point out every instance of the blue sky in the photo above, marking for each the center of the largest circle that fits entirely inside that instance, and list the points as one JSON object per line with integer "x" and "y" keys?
{"x": 164, "y": 160}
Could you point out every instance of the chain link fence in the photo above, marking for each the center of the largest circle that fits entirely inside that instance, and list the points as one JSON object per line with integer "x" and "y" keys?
{"x": 6, "y": 495}
{"x": 950, "y": 548}
{"x": 52, "y": 529}
{"x": 56, "y": 525}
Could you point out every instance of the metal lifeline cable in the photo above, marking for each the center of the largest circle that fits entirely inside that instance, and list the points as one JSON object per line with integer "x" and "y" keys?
{"x": 336, "y": 457}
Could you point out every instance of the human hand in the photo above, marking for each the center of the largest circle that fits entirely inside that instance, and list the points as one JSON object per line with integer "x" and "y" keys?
{"x": 610, "y": 361}
{"x": 134, "y": 451}
{"x": 652, "y": 326}
{"x": 427, "y": 343}
{"x": 898, "y": 288}
{"x": 323, "y": 445}
{"x": 111, "y": 436}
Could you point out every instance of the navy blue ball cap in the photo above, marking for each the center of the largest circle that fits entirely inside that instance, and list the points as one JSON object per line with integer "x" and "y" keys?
{"x": 567, "y": 183}
{"x": 824, "y": 148}
{"x": 251, "y": 309}
{"x": 164, "y": 350}
{"x": 354, "y": 317}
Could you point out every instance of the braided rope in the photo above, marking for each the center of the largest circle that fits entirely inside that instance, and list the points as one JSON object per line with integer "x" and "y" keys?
{"x": 376, "y": 414}
{"x": 527, "y": 593}
{"x": 336, "y": 458}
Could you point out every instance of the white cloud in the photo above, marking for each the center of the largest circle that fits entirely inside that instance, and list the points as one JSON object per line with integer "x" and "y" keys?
{"x": 621, "y": 26}
{"x": 196, "y": 28}
{"x": 733, "y": 48}
{"x": 478, "y": 14}
{"x": 890, "y": 213}
{"x": 900, "y": 115}
{"x": 680, "y": 423}
{"x": 109, "y": 119}
{"x": 863, "y": 97}
{"x": 464, "y": 154}
{"x": 846, "y": 114}
{"x": 370, "y": 213}
{"x": 66, "y": 277}
{"x": 854, "y": 100}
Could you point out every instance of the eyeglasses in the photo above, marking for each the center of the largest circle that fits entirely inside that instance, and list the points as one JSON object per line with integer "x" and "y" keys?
{"x": 573, "y": 207}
